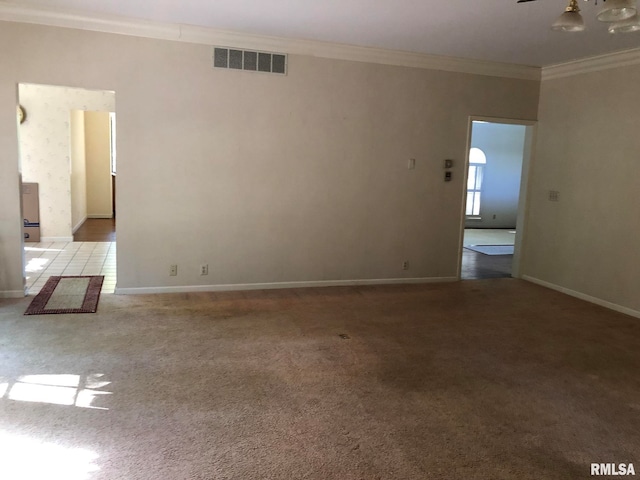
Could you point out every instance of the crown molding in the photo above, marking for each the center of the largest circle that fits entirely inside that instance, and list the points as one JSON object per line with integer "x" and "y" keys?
{"x": 592, "y": 64}
{"x": 12, "y": 12}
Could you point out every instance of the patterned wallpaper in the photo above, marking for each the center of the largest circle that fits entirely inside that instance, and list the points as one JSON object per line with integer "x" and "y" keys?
{"x": 45, "y": 147}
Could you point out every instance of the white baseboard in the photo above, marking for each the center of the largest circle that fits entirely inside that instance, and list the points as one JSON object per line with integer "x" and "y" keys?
{"x": 80, "y": 223}
{"x": 583, "y": 296}
{"x": 270, "y": 286}
{"x": 56, "y": 239}
{"x": 12, "y": 294}
{"x": 100, "y": 215}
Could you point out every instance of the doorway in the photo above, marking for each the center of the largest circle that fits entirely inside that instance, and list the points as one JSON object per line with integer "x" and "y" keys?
{"x": 496, "y": 170}
{"x": 65, "y": 148}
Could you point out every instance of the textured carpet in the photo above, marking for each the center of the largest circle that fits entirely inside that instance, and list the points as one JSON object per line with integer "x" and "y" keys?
{"x": 491, "y": 379}
{"x": 491, "y": 249}
{"x": 68, "y": 294}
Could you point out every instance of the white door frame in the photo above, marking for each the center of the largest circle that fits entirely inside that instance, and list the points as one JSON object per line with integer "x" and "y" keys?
{"x": 529, "y": 143}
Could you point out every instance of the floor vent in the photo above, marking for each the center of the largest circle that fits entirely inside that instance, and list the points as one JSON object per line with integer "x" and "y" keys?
{"x": 250, "y": 60}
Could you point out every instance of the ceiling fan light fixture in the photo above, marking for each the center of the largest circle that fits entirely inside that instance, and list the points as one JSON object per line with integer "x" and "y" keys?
{"x": 617, "y": 10}
{"x": 570, "y": 20}
{"x": 626, "y": 26}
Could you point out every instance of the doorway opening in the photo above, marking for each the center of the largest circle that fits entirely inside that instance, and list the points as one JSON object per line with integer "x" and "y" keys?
{"x": 67, "y": 158}
{"x": 494, "y": 197}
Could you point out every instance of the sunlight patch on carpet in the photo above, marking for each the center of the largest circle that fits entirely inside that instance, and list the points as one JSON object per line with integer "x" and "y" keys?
{"x": 84, "y": 391}
{"x": 29, "y": 458}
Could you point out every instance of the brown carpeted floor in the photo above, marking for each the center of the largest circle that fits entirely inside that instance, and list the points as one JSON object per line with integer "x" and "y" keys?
{"x": 490, "y": 379}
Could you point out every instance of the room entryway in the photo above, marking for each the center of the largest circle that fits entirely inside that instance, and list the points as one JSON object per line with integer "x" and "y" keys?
{"x": 496, "y": 172}
{"x": 68, "y": 167}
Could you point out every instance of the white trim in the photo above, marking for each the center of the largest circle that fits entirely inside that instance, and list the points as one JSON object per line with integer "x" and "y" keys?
{"x": 56, "y": 239}
{"x": 12, "y": 12}
{"x": 99, "y": 215}
{"x": 592, "y": 64}
{"x": 277, "y": 285}
{"x": 522, "y": 212}
{"x": 80, "y": 223}
{"x": 12, "y": 294}
{"x": 583, "y": 296}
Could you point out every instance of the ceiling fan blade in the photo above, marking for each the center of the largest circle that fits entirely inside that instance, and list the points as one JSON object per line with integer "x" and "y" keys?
{"x": 523, "y": 1}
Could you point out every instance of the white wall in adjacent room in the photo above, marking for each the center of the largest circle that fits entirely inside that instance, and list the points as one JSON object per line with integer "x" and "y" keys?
{"x": 503, "y": 146}
{"x": 78, "y": 169}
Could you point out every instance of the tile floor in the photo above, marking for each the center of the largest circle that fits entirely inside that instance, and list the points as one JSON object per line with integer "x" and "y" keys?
{"x": 75, "y": 258}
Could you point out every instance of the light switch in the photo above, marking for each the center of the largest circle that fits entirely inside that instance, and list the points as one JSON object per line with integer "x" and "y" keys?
{"x": 412, "y": 164}
{"x": 448, "y": 163}
{"x": 447, "y": 176}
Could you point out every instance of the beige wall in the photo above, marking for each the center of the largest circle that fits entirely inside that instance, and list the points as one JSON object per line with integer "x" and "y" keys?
{"x": 45, "y": 148}
{"x": 98, "y": 148}
{"x": 78, "y": 169}
{"x": 268, "y": 178}
{"x": 587, "y": 150}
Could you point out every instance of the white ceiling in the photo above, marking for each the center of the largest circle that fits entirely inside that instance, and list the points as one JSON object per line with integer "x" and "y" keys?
{"x": 495, "y": 30}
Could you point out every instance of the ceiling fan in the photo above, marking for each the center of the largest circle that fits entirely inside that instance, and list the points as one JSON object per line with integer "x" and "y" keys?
{"x": 622, "y": 16}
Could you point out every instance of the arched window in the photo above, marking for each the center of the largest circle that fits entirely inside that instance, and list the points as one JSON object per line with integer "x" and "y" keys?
{"x": 477, "y": 162}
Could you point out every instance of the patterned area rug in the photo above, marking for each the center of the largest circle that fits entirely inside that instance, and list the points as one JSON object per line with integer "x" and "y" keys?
{"x": 73, "y": 294}
{"x": 491, "y": 249}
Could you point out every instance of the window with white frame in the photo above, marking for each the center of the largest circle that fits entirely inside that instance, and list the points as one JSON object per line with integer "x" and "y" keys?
{"x": 477, "y": 162}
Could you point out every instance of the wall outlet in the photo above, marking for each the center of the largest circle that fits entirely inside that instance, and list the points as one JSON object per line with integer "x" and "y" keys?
{"x": 405, "y": 265}
{"x": 204, "y": 269}
{"x": 173, "y": 270}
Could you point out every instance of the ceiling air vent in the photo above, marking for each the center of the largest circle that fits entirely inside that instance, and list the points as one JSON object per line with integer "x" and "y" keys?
{"x": 249, "y": 60}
